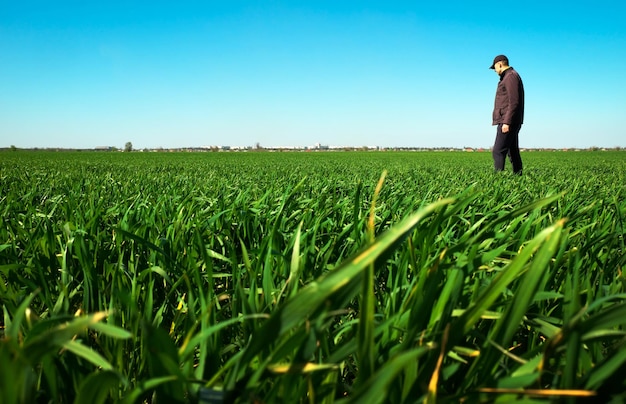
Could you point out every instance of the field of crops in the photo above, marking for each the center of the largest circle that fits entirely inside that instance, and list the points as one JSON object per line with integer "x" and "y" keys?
{"x": 351, "y": 277}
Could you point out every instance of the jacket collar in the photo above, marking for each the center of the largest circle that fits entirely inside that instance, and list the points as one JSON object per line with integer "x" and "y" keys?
{"x": 505, "y": 72}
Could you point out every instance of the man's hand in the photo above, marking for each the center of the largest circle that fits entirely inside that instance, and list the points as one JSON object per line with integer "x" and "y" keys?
{"x": 505, "y": 128}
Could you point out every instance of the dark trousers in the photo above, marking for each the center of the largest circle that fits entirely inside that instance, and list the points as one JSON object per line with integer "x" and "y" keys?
{"x": 507, "y": 144}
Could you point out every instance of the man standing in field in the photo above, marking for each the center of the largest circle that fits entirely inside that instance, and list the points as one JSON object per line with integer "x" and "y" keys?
{"x": 508, "y": 114}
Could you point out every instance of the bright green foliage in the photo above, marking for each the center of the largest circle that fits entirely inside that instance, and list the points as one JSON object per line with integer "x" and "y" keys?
{"x": 293, "y": 277}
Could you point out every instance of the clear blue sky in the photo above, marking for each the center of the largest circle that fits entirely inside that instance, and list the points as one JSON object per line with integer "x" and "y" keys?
{"x": 295, "y": 73}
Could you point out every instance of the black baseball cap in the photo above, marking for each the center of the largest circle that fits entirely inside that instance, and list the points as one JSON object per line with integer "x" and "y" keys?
{"x": 497, "y": 59}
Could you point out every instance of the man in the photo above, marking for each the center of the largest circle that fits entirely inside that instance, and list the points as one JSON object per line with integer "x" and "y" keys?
{"x": 508, "y": 114}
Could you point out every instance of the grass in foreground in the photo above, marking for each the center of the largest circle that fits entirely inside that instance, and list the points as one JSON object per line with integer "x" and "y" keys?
{"x": 293, "y": 277}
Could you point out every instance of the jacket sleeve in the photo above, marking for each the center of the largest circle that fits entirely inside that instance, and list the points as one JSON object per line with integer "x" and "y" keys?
{"x": 511, "y": 83}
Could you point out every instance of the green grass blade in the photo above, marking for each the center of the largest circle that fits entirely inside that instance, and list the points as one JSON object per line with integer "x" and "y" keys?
{"x": 342, "y": 282}
{"x": 98, "y": 387}
{"x": 87, "y": 353}
{"x": 375, "y": 389}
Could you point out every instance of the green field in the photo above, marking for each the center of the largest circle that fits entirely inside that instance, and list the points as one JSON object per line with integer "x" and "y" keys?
{"x": 352, "y": 277}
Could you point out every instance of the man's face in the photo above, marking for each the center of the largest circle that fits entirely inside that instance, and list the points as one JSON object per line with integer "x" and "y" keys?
{"x": 498, "y": 68}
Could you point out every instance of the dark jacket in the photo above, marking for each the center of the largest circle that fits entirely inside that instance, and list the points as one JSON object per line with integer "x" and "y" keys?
{"x": 509, "y": 104}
